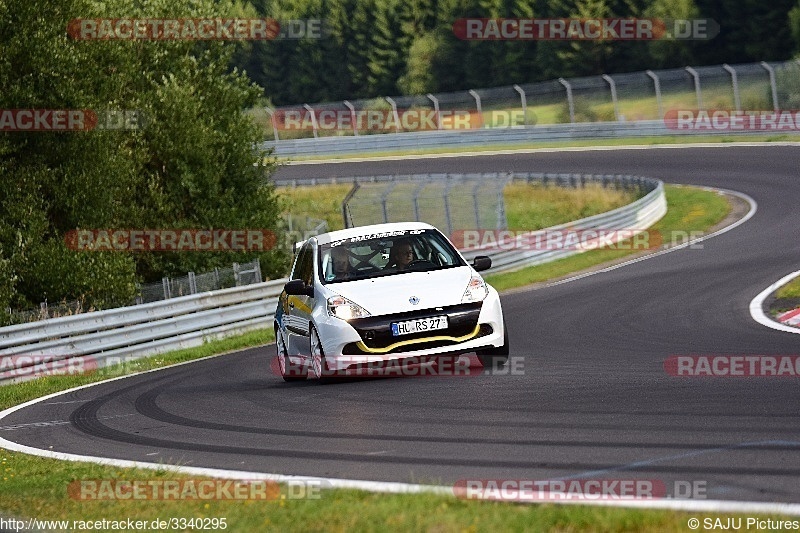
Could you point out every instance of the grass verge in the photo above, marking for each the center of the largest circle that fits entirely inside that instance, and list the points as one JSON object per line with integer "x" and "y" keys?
{"x": 37, "y": 487}
{"x": 689, "y": 210}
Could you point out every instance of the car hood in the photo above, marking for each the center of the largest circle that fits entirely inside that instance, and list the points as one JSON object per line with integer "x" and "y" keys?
{"x": 392, "y": 294}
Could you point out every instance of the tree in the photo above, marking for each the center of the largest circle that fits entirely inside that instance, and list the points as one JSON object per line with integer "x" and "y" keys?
{"x": 192, "y": 165}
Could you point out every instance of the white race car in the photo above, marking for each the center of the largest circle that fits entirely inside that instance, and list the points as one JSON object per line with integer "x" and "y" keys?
{"x": 384, "y": 293}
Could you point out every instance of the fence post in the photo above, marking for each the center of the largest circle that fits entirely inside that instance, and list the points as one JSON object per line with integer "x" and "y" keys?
{"x": 445, "y": 196}
{"x": 352, "y": 116}
{"x": 348, "y": 221}
{"x": 477, "y": 98}
{"x": 570, "y": 101}
{"x": 274, "y": 124}
{"x": 192, "y": 283}
{"x": 697, "y": 88}
{"x": 259, "y": 279}
{"x": 394, "y": 112}
{"x": 524, "y": 101}
{"x": 167, "y": 289}
{"x": 475, "y": 203}
{"x": 236, "y": 269}
{"x": 613, "y": 94}
{"x": 735, "y": 84}
{"x": 385, "y": 195}
{"x": 657, "y": 85}
{"x": 313, "y": 118}
{"x": 415, "y": 196}
{"x": 436, "y": 110}
{"x": 771, "y": 71}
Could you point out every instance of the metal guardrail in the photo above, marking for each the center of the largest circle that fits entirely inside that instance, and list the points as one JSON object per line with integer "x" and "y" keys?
{"x": 389, "y": 142}
{"x": 137, "y": 331}
{"x": 638, "y": 215}
{"x": 153, "y": 328}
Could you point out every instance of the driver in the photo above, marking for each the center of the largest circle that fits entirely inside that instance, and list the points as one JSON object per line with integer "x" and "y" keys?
{"x": 342, "y": 269}
{"x": 401, "y": 255}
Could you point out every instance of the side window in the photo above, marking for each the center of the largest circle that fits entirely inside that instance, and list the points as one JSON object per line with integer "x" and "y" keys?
{"x": 302, "y": 264}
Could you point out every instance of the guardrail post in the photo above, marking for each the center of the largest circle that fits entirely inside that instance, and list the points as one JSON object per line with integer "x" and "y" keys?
{"x": 395, "y": 113}
{"x": 697, "y": 88}
{"x": 570, "y": 101}
{"x": 613, "y": 86}
{"x": 436, "y": 110}
{"x": 352, "y": 116}
{"x": 771, "y": 71}
{"x": 657, "y": 85}
{"x": 477, "y": 98}
{"x": 735, "y": 84}
{"x": 313, "y": 118}
{"x": 274, "y": 124}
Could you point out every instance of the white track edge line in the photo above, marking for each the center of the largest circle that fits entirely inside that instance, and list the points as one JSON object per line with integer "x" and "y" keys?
{"x": 398, "y": 487}
{"x": 757, "y": 305}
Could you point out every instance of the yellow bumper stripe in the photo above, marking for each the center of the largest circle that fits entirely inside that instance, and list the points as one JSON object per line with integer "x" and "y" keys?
{"x": 468, "y": 336}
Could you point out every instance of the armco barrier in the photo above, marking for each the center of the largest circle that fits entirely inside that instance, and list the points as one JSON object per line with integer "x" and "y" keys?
{"x": 387, "y": 142}
{"x": 187, "y": 321}
{"x": 146, "y": 329}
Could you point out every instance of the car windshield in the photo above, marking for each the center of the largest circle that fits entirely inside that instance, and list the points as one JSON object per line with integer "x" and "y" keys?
{"x": 384, "y": 254}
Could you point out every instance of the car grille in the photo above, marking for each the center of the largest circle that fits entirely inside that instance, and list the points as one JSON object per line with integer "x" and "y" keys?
{"x": 376, "y": 332}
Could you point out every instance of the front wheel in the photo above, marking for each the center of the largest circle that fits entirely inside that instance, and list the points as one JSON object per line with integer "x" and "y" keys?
{"x": 497, "y": 356}
{"x": 319, "y": 365}
{"x": 289, "y": 371}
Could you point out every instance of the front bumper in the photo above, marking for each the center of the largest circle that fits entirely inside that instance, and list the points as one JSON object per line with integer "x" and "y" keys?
{"x": 369, "y": 340}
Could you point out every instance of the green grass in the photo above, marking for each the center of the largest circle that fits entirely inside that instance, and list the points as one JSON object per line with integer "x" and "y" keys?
{"x": 790, "y": 290}
{"x": 689, "y": 209}
{"x": 37, "y": 487}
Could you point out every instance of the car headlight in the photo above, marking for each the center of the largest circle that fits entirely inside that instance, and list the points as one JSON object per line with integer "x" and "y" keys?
{"x": 477, "y": 290}
{"x": 341, "y": 307}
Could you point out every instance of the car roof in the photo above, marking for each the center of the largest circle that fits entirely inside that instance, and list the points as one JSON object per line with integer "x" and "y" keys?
{"x": 327, "y": 238}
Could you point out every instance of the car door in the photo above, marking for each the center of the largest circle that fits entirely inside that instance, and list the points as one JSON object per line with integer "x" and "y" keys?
{"x": 299, "y": 309}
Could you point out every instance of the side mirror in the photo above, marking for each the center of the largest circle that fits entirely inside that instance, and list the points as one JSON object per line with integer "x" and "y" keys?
{"x": 297, "y": 287}
{"x": 481, "y": 263}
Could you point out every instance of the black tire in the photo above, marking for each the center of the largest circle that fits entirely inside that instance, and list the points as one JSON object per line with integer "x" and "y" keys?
{"x": 290, "y": 372}
{"x": 495, "y": 357}
{"x": 323, "y": 374}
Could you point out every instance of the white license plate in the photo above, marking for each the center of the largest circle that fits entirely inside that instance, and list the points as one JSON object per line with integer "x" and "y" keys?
{"x": 419, "y": 325}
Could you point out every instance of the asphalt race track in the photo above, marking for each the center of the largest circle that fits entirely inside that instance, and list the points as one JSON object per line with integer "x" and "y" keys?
{"x": 594, "y": 400}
